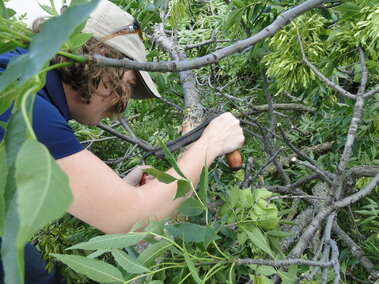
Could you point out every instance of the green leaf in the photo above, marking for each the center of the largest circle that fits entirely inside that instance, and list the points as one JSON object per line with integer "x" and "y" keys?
{"x": 111, "y": 241}
{"x": 349, "y": 8}
{"x": 171, "y": 159}
{"x": 258, "y": 279}
{"x": 77, "y": 40}
{"x": 191, "y": 266}
{"x": 49, "y": 10}
{"x": 156, "y": 227}
{"x": 4, "y": 12}
{"x": 263, "y": 269}
{"x": 261, "y": 193}
{"x": 189, "y": 232}
{"x": 203, "y": 185}
{"x": 161, "y": 176}
{"x": 8, "y": 46}
{"x": 15, "y": 136}
{"x": 288, "y": 222}
{"x": 7, "y": 97}
{"x": 278, "y": 234}
{"x": 149, "y": 255}
{"x": 128, "y": 263}
{"x": 184, "y": 187}
{"x": 97, "y": 253}
{"x": 191, "y": 207}
{"x": 11, "y": 254}
{"x": 234, "y": 195}
{"x": 42, "y": 48}
{"x": 94, "y": 269}
{"x": 238, "y": 3}
{"x": 41, "y": 187}
{"x": 3, "y": 180}
{"x": 259, "y": 240}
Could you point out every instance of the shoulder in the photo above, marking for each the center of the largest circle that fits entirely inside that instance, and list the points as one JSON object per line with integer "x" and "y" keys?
{"x": 53, "y": 130}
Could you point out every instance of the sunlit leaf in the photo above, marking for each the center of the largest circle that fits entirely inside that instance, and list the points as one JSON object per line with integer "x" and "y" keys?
{"x": 156, "y": 227}
{"x": 161, "y": 176}
{"x": 203, "y": 185}
{"x": 191, "y": 266}
{"x": 258, "y": 239}
{"x": 42, "y": 48}
{"x": 128, "y": 263}
{"x": 3, "y": 180}
{"x": 191, "y": 207}
{"x": 149, "y": 255}
{"x": 171, "y": 159}
{"x": 94, "y": 269}
{"x": 189, "y": 232}
{"x": 111, "y": 241}
{"x": 43, "y": 193}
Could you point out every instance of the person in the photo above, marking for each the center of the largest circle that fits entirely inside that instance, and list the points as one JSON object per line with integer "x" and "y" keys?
{"x": 89, "y": 94}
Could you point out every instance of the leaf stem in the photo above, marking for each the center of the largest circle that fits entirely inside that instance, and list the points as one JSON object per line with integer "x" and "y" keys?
{"x": 219, "y": 250}
{"x": 210, "y": 272}
{"x": 150, "y": 273}
{"x": 230, "y": 273}
{"x": 56, "y": 66}
{"x": 17, "y": 25}
{"x": 77, "y": 58}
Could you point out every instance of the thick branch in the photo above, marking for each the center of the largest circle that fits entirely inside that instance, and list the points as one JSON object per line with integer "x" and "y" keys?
{"x": 292, "y": 107}
{"x": 187, "y": 79}
{"x": 309, "y": 231}
{"x": 359, "y": 195}
{"x": 286, "y": 262}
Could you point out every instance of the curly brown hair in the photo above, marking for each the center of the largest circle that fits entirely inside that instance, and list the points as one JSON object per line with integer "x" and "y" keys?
{"x": 85, "y": 78}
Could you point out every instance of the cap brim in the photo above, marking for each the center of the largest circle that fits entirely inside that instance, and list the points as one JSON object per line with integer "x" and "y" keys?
{"x": 145, "y": 87}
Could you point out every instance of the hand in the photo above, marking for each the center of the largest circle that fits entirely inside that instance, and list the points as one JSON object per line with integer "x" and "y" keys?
{"x": 134, "y": 177}
{"x": 223, "y": 135}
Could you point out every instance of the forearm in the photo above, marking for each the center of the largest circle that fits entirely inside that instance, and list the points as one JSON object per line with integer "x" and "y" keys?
{"x": 107, "y": 202}
{"x": 161, "y": 203}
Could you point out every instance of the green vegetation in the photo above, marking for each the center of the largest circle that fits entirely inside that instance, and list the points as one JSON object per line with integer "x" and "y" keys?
{"x": 278, "y": 217}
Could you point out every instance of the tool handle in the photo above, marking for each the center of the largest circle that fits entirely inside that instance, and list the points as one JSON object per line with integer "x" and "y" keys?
{"x": 234, "y": 160}
{"x": 143, "y": 179}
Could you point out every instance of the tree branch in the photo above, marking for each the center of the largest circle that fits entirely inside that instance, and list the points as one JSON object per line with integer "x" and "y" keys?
{"x": 292, "y": 107}
{"x": 282, "y": 20}
{"x": 321, "y": 76}
{"x": 356, "y": 251}
{"x": 142, "y": 144}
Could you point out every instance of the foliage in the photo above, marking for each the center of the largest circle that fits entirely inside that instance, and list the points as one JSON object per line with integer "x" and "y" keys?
{"x": 221, "y": 223}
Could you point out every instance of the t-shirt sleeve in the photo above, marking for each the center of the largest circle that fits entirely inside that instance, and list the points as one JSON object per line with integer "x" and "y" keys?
{"x": 53, "y": 131}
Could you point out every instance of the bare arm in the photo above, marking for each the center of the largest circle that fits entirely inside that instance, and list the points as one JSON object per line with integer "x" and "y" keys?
{"x": 107, "y": 202}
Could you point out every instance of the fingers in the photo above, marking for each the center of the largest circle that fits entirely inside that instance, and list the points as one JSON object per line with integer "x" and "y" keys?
{"x": 135, "y": 176}
{"x": 224, "y": 134}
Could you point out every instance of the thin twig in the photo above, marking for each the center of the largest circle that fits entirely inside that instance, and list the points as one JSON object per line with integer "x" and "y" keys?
{"x": 328, "y": 82}
{"x": 356, "y": 251}
{"x": 142, "y": 144}
{"x": 314, "y": 168}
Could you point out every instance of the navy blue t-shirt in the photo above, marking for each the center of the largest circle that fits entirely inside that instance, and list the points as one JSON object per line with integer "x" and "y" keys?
{"x": 50, "y": 114}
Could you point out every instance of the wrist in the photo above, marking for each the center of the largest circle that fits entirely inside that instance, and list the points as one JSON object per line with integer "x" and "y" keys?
{"x": 207, "y": 149}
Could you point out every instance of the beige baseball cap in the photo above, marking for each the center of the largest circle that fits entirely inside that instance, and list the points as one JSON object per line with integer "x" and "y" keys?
{"x": 109, "y": 19}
